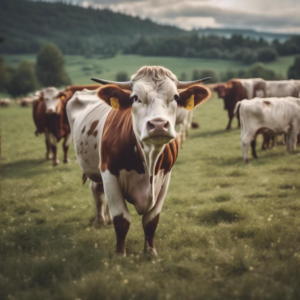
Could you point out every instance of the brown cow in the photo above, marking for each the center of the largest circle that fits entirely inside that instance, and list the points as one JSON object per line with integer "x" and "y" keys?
{"x": 239, "y": 89}
{"x": 50, "y": 117}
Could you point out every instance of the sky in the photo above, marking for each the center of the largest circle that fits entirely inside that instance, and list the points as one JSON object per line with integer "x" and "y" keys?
{"x": 261, "y": 15}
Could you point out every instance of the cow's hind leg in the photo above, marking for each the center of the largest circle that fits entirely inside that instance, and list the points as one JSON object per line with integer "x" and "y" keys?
{"x": 292, "y": 139}
{"x": 53, "y": 142}
{"x": 101, "y": 205}
{"x": 246, "y": 141}
{"x": 253, "y": 148}
{"x": 66, "y": 145}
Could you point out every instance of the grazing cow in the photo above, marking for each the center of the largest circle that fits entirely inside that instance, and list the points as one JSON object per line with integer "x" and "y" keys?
{"x": 126, "y": 144}
{"x": 50, "y": 117}
{"x": 279, "y": 115}
{"x": 4, "y": 102}
{"x": 236, "y": 90}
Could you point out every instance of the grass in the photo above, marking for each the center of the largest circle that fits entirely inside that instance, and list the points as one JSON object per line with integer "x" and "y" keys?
{"x": 227, "y": 230}
{"x": 81, "y": 69}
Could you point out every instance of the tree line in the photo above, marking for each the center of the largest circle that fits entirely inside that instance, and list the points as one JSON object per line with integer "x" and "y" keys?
{"x": 237, "y": 47}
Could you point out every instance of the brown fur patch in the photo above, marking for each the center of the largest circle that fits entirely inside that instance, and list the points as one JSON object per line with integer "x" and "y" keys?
{"x": 267, "y": 103}
{"x": 92, "y": 127}
{"x": 168, "y": 157}
{"x": 95, "y": 133}
{"x": 118, "y": 142}
{"x": 83, "y": 130}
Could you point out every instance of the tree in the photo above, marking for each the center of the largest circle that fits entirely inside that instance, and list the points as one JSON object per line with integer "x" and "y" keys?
{"x": 23, "y": 80}
{"x": 267, "y": 54}
{"x": 122, "y": 76}
{"x": 50, "y": 68}
{"x": 294, "y": 70}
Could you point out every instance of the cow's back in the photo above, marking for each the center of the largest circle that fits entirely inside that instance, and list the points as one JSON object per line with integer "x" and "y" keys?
{"x": 87, "y": 115}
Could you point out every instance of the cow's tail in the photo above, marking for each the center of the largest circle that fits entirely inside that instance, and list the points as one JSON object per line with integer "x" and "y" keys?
{"x": 237, "y": 107}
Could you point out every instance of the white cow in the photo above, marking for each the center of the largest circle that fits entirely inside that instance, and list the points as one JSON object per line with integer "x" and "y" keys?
{"x": 280, "y": 115}
{"x": 282, "y": 88}
{"x": 124, "y": 139}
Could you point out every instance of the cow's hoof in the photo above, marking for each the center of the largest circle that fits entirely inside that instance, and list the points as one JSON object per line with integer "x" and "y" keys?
{"x": 97, "y": 223}
{"x": 56, "y": 163}
{"x": 67, "y": 161}
{"x": 150, "y": 252}
{"x": 246, "y": 161}
{"x": 48, "y": 157}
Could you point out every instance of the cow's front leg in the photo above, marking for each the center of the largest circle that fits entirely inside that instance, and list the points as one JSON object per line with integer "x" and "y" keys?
{"x": 230, "y": 116}
{"x": 48, "y": 145}
{"x": 66, "y": 145}
{"x": 118, "y": 209}
{"x": 149, "y": 231}
{"x": 150, "y": 220}
{"x": 53, "y": 142}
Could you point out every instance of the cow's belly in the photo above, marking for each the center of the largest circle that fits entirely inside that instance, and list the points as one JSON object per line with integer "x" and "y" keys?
{"x": 138, "y": 190}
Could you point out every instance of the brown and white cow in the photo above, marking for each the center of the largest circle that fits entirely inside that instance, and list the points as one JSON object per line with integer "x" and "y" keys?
{"x": 278, "y": 115}
{"x": 126, "y": 144}
{"x": 238, "y": 89}
{"x": 5, "y": 102}
{"x": 50, "y": 117}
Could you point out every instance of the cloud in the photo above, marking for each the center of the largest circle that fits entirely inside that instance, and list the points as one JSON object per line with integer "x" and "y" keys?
{"x": 271, "y": 15}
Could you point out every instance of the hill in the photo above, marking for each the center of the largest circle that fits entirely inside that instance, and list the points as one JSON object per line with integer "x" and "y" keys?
{"x": 26, "y": 25}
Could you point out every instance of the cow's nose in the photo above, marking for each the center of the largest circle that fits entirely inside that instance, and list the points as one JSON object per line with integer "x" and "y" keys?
{"x": 158, "y": 127}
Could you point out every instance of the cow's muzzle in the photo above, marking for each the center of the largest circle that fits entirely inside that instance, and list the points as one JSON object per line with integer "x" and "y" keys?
{"x": 158, "y": 127}
{"x": 50, "y": 111}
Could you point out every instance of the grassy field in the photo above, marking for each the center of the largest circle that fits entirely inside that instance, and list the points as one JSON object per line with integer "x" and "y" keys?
{"x": 227, "y": 230}
{"x": 81, "y": 69}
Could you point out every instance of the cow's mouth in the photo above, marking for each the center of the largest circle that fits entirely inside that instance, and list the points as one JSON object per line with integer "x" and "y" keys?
{"x": 158, "y": 139}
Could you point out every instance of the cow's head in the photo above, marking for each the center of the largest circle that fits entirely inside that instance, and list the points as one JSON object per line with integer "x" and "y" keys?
{"x": 154, "y": 93}
{"x": 222, "y": 89}
{"x": 51, "y": 96}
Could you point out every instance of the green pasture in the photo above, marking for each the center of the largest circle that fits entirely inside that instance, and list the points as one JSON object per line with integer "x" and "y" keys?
{"x": 81, "y": 68}
{"x": 228, "y": 230}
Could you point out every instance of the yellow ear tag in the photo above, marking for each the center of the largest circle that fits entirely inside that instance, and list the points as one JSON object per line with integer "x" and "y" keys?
{"x": 115, "y": 103}
{"x": 62, "y": 97}
{"x": 190, "y": 103}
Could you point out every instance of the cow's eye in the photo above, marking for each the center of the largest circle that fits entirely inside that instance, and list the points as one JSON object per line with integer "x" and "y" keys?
{"x": 176, "y": 97}
{"x": 136, "y": 99}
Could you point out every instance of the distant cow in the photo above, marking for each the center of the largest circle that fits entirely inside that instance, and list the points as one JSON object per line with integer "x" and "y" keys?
{"x": 283, "y": 88}
{"x": 50, "y": 117}
{"x": 238, "y": 89}
{"x": 279, "y": 115}
{"x": 4, "y": 102}
{"x": 125, "y": 143}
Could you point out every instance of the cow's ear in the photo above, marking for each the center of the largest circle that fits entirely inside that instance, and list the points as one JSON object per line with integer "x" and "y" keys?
{"x": 115, "y": 96}
{"x": 62, "y": 95}
{"x": 193, "y": 96}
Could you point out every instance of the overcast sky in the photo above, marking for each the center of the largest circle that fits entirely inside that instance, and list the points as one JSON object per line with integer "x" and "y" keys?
{"x": 266, "y": 15}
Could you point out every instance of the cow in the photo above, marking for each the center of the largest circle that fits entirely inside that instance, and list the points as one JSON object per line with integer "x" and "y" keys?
{"x": 125, "y": 143}
{"x": 5, "y": 102}
{"x": 279, "y": 115}
{"x": 283, "y": 88}
{"x": 236, "y": 90}
{"x": 50, "y": 117}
